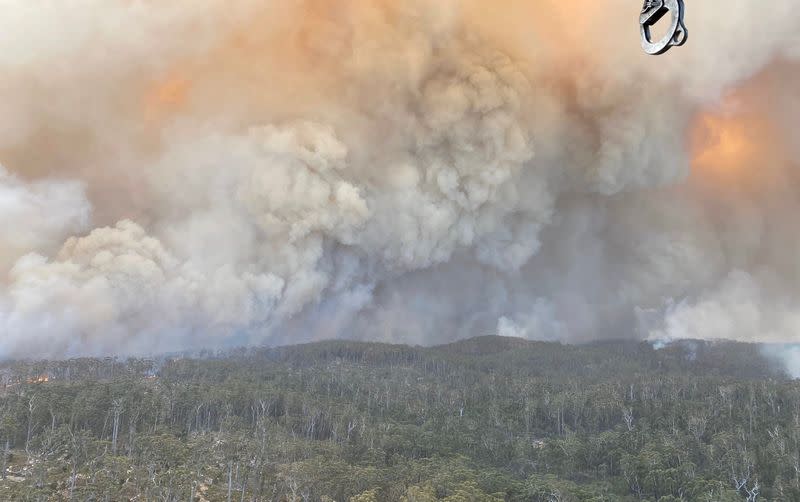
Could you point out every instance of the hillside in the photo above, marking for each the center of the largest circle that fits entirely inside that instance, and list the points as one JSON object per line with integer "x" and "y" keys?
{"x": 483, "y": 419}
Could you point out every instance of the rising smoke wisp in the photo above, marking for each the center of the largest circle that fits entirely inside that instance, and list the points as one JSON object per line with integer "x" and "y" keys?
{"x": 212, "y": 173}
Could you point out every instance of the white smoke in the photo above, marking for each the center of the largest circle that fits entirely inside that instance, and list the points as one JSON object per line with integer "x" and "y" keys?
{"x": 36, "y": 216}
{"x": 414, "y": 172}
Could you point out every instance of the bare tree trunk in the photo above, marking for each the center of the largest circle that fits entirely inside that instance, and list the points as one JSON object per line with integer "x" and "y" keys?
{"x": 31, "y": 407}
{"x": 74, "y": 474}
{"x": 115, "y": 427}
{"x": 5, "y": 459}
{"x": 230, "y": 480}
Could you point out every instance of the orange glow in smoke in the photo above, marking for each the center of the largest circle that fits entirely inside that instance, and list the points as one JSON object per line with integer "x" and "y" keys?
{"x": 736, "y": 141}
{"x": 723, "y": 142}
{"x": 166, "y": 97}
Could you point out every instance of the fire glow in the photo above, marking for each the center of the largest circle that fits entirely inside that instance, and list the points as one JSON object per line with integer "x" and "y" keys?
{"x": 166, "y": 97}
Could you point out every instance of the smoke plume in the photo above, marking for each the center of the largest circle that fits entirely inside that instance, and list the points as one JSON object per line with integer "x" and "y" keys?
{"x": 214, "y": 173}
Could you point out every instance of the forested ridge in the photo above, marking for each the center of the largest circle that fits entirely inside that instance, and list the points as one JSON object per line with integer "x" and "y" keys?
{"x": 485, "y": 419}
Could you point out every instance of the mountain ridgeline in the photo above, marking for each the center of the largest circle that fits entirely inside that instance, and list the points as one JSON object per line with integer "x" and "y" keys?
{"x": 484, "y": 419}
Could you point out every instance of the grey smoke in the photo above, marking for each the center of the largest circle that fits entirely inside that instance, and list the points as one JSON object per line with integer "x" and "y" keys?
{"x": 410, "y": 173}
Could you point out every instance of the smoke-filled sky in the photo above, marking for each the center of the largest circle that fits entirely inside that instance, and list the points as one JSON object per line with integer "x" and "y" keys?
{"x": 208, "y": 173}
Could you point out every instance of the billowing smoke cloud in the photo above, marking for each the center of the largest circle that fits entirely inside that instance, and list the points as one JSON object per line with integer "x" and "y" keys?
{"x": 37, "y": 215}
{"x": 213, "y": 173}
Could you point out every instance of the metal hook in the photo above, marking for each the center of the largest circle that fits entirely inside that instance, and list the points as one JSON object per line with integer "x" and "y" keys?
{"x": 652, "y": 12}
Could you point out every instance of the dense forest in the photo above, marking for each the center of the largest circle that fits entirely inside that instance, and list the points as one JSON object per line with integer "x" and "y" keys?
{"x": 486, "y": 419}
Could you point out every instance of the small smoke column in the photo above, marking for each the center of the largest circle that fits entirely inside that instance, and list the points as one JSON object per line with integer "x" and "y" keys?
{"x": 788, "y": 355}
{"x": 214, "y": 173}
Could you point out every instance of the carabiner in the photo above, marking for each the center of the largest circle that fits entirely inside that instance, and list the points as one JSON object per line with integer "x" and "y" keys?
{"x": 652, "y": 12}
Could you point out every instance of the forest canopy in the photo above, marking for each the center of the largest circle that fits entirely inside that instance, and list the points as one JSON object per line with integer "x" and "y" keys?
{"x": 485, "y": 419}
